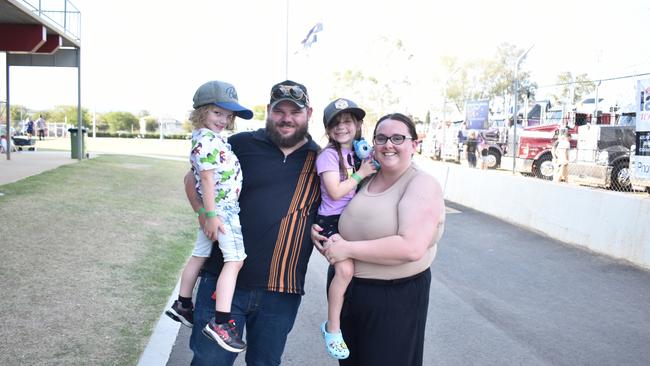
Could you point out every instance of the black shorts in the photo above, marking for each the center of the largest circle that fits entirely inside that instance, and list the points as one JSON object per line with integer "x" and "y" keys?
{"x": 330, "y": 224}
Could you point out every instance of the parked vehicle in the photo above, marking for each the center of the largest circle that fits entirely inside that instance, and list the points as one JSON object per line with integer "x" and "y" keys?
{"x": 638, "y": 182}
{"x": 496, "y": 143}
{"x": 603, "y": 154}
{"x": 453, "y": 140}
{"x": 533, "y": 155}
{"x": 431, "y": 145}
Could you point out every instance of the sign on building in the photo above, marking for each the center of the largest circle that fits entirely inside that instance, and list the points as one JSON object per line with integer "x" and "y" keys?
{"x": 477, "y": 113}
{"x": 642, "y": 153}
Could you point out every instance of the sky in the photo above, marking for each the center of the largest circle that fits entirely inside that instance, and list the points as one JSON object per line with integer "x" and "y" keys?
{"x": 152, "y": 55}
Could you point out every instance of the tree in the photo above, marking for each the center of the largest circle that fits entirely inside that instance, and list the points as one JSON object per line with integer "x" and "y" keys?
{"x": 580, "y": 84}
{"x": 19, "y": 113}
{"x": 120, "y": 121}
{"x": 187, "y": 126}
{"x": 259, "y": 112}
{"x": 376, "y": 94}
{"x": 151, "y": 123}
{"x": 68, "y": 114}
{"x": 486, "y": 78}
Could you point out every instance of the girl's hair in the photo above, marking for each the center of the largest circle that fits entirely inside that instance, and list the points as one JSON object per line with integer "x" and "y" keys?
{"x": 402, "y": 118}
{"x": 336, "y": 146}
{"x": 199, "y": 115}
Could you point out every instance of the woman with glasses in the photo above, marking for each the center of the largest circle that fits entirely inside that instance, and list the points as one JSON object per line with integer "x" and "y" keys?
{"x": 390, "y": 229}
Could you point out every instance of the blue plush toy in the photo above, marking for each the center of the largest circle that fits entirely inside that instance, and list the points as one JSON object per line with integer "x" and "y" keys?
{"x": 362, "y": 151}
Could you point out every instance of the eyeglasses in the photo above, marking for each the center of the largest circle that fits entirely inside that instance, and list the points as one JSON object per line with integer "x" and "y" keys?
{"x": 395, "y": 139}
{"x": 292, "y": 91}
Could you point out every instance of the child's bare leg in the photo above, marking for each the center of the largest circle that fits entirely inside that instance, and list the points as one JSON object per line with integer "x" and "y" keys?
{"x": 226, "y": 285}
{"x": 342, "y": 277}
{"x": 190, "y": 274}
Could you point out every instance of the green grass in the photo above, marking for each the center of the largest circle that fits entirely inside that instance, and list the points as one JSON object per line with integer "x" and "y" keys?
{"x": 91, "y": 254}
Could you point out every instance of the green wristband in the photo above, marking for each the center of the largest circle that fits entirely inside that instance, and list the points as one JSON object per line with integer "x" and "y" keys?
{"x": 201, "y": 210}
{"x": 210, "y": 213}
{"x": 356, "y": 177}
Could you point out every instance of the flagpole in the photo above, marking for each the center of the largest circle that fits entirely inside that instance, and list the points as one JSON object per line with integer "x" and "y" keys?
{"x": 286, "y": 46}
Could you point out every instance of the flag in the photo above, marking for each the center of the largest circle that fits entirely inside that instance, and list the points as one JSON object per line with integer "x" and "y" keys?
{"x": 311, "y": 36}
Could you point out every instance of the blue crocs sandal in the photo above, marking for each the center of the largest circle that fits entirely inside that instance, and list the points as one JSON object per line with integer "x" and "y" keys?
{"x": 334, "y": 343}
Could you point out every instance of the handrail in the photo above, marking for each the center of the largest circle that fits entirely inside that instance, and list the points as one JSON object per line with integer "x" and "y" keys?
{"x": 68, "y": 18}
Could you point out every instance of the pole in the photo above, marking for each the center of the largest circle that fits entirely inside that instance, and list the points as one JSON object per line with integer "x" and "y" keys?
{"x": 444, "y": 122}
{"x": 594, "y": 119}
{"x": 80, "y": 134}
{"x": 514, "y": 125}
{"x": 8, "y": 131}
{"x": 286, "y": 44}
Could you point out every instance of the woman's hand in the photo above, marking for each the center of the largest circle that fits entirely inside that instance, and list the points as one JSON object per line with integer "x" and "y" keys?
{"x": 316, "y": 238}
{"x": 336, "y": 249}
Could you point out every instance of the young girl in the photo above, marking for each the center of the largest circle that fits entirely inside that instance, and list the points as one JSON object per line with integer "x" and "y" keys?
{"x": 219, "y": 181}
{"x": 335, "y": 166}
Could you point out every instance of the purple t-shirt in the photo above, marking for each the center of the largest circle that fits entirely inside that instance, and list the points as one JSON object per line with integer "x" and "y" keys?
{"x": 328, "y": 160}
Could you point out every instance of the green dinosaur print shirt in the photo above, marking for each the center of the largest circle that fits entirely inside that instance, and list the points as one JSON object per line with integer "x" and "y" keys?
{"x": 211, "y": 151}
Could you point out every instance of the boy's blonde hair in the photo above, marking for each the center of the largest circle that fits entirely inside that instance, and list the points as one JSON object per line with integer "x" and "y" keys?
{"x": 199, "y": 115}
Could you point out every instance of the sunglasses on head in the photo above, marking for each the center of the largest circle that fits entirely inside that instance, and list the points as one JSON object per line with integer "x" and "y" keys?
{"x": 292, "y": 91}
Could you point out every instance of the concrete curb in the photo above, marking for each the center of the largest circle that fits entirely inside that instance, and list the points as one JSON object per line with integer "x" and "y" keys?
{"x": 163, "y": 337}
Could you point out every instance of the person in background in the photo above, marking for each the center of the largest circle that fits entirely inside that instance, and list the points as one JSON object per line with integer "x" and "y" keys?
{"x": 279, "y": 199}
{"x": 483, "y": 149}
{"x": 342, "y": 119}
{"x": 560, "y": 153}
{"x": 40, "y": 127}
{"x": 29, "y": 130}
{"x": 471, "y": 148}
{"x": 390, "y": 229}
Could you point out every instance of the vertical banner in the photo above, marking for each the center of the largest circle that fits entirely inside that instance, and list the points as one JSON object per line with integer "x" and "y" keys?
{"x": 642, "y": 153}
{"x": 477, "y": 113}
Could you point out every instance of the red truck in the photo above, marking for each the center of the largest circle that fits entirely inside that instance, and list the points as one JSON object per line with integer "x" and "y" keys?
{"x": 534, "y": 148}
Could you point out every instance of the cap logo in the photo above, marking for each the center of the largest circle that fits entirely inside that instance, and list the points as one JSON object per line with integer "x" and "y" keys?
{"x": 341, "y": 104}
{"x": 230, "y": 91}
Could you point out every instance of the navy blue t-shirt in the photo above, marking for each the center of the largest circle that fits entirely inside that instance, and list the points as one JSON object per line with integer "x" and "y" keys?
{"x": 279, "y": 199}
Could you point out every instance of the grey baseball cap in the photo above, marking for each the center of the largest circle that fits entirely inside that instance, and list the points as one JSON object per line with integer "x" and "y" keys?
{"x": 341, "y": 105}
{"x": 223, "y": 95}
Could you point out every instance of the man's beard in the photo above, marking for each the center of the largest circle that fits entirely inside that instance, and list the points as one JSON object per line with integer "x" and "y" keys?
{"x": 286, "y": 141}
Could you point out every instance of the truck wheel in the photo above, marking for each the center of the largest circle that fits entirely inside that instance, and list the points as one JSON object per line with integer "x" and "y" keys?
{"x": 544, "y": 168}
{"x": 621, "y": 177}
{"x": 493, "y": 159}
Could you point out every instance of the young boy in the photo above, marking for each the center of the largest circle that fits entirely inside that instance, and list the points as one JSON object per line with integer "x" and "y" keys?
{"x": 219, "y": 181}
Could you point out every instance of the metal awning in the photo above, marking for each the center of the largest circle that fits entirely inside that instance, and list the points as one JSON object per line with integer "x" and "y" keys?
{"x": 32, "y": 35}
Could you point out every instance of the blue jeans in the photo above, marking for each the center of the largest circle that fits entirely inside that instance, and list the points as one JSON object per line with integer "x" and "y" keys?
{"x": 267, "y": 316}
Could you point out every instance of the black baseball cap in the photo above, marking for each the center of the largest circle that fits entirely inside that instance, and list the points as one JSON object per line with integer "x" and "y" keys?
{"x": 291, "y": 91}
{"x": 341, "y": 105}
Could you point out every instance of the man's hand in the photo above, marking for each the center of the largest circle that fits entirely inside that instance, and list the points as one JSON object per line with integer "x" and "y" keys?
{"x": 212, "y": 227}
{"x": 317, "y": 238}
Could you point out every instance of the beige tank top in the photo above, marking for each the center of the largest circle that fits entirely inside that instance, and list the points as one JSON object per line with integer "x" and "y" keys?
{"x": 375, "y": 215}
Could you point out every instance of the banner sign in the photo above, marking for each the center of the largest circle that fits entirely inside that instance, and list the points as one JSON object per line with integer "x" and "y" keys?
{"x": 477, "y": 113}
{"x": 642, "y": 153}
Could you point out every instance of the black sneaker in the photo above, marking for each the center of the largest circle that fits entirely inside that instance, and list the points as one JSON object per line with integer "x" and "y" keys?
{"x": 225, "y": 335}
{"x": 181, "y": 314}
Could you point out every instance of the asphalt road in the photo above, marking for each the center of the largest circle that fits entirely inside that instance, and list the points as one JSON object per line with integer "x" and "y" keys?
{"x": 503, "y": 295}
